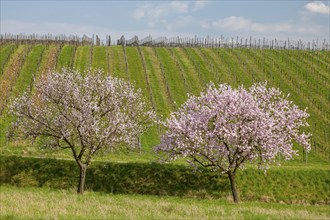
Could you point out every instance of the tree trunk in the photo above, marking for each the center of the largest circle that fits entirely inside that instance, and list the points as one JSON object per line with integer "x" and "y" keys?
{"x": 233, "y": 187}
{"x": 81, "y": 186}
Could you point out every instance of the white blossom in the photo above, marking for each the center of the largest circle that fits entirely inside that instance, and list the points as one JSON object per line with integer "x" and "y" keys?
{"x": 87, "y": 112}
{"x": 226, "y": 127}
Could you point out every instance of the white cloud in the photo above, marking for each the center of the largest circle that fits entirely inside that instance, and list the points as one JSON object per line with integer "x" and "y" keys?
{"x": 162, "y": 14}
{"x": 240, "y": 24}
{"x": 159, "y": 11}
{"x": 169, "y": 14}
{"x": 233, "y": 23}
{"x": 318, "y": 7}
{"x": 179, "y": 7}
{"x": 140, "y": 12}
{"x": 200, "y": 4}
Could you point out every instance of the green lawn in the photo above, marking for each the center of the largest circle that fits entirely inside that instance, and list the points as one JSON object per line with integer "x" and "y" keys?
{"x": 43, "y": 203}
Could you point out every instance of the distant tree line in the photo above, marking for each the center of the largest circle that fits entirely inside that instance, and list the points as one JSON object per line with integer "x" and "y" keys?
{"x": 207, "y": 42}
{"x": 223, "y": 42}
{"x": 47, "y": 39}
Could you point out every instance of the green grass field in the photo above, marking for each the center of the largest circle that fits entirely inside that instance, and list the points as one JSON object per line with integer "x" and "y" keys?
{"x": 66, "y": 204}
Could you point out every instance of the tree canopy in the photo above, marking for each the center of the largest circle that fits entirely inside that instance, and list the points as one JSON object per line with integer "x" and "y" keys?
{"x": 223, "y": 128}
{"x": 86, "y": 112}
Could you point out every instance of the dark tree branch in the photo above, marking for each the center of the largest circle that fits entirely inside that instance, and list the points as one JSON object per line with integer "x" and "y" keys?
{"x": 212, "y": 162}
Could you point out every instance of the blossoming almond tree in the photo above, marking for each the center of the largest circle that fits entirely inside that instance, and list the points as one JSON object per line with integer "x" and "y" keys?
{"x": 224, "y": 128}
{"x": 86, "y": 113}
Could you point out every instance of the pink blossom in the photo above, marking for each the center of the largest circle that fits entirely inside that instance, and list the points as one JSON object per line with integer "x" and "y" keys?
{"x": 223, "y": 128}
{"x": 86, "y": 113}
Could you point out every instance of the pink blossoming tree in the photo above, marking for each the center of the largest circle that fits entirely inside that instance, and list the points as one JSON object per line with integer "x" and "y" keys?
{"x": 87, "y": 113}
{"x": 224, "y": 128}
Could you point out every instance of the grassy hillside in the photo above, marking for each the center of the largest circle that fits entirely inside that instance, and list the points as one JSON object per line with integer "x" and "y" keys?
{"x": 166, "y": 75}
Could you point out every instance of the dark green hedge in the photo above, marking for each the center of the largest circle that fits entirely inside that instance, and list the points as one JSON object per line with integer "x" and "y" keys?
{"x": 288, "y": 185}
{"x": 133, "y": 178}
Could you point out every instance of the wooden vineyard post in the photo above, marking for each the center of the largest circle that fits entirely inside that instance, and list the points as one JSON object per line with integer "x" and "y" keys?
{"x": 164, "y": 79}
{"x": 38, "y": 69}
{"x": 91, "y": 55}
{"x": 74, "y": 51}
{"x": 108, "y": 60}
{"x": 178, "y": 64}
{"x": 126, "y": 63}
{"x": 151, "y": 96}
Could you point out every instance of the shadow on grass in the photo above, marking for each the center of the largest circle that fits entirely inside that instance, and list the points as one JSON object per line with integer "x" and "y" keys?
{"x": 127, "y": 178}
{"x": 299, "y": 186}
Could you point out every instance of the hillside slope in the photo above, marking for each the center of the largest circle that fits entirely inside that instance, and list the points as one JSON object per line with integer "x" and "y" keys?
{"x": 166, "y": 75}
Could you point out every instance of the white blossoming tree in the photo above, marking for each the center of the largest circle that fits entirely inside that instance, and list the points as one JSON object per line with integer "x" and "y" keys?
{"x": 87, "y": 113}
{"x": 224, "y": 128}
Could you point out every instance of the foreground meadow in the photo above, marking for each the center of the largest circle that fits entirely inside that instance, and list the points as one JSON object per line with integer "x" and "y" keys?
{"x": 44, "y": 203}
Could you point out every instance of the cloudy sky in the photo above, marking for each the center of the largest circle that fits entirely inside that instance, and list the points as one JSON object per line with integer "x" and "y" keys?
{"x": 298, "y": 19}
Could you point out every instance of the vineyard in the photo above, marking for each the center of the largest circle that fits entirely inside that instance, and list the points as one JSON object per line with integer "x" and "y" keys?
{"x": 167, "y": 69}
